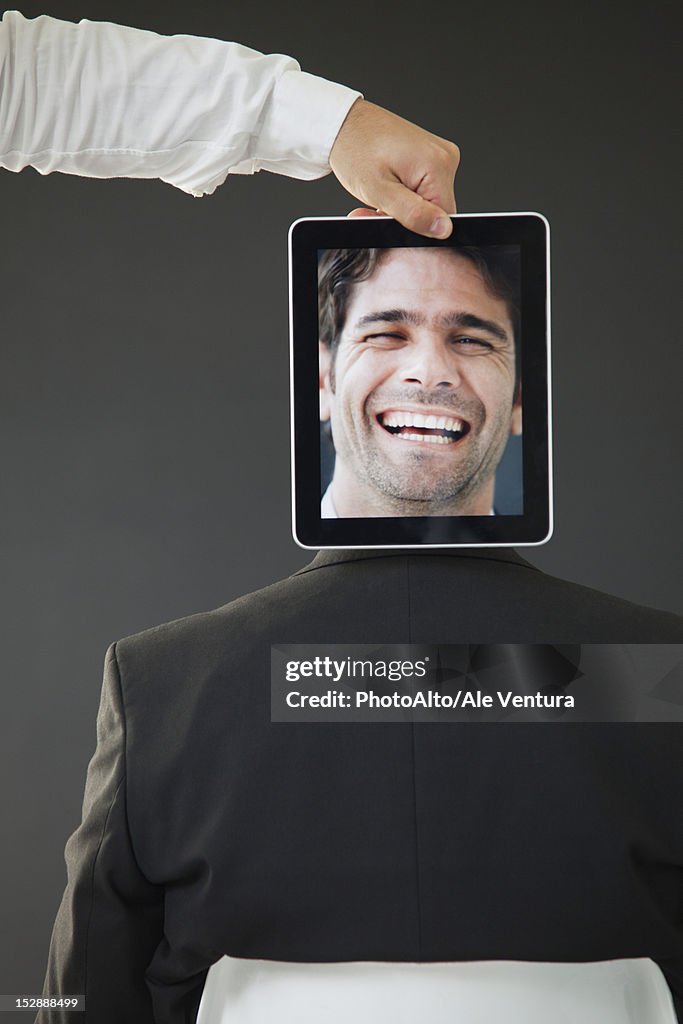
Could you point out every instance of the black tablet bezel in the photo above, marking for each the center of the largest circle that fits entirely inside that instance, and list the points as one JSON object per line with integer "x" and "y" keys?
{"x": 530, "y": 231}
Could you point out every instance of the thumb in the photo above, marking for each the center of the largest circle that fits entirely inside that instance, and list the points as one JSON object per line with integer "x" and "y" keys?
{"x": 416, "y": 213}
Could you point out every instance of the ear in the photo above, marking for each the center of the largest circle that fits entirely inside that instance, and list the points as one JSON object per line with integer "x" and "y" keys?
{"x": 324, "y": 364}
{"x": 516, "y": 418}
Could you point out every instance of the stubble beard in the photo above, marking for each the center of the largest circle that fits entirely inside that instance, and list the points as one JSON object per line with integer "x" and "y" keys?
{"x": 415, "y": 477}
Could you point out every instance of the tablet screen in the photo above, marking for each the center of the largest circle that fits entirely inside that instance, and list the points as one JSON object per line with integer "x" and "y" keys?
{"x": 421, "y": 369}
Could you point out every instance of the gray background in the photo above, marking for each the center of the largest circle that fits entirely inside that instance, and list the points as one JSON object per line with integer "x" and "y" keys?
{"x": 145, "y": 435}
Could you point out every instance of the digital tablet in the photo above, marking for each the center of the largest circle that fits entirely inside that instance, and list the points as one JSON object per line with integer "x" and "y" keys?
{"x": 420, "y": 374}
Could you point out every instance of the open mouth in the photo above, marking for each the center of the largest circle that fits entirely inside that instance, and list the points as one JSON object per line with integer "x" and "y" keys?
{"x": 416, "y": 426}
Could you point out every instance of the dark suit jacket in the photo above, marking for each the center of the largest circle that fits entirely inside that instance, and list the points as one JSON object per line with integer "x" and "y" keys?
{"x": 208, "y": 830}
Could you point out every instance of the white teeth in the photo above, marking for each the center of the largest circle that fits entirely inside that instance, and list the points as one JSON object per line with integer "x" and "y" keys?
{"x": 398, "y": 418}
{"x": 429, "y": 438}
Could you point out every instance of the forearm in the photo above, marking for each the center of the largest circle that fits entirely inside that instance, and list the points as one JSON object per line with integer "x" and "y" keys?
{"x": 104, "y": 100}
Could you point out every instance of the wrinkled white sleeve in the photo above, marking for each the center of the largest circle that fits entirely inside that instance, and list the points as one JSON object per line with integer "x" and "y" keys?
{"x": 105, "y": 101}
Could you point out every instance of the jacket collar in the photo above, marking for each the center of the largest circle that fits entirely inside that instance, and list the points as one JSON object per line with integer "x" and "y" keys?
{"x": 336, "y": 556}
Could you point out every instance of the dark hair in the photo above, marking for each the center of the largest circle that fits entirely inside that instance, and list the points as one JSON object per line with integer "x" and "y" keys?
{"x": 339, "y": 270}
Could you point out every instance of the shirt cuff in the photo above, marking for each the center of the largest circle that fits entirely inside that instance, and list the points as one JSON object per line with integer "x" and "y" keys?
{"x": 300, "y": 125}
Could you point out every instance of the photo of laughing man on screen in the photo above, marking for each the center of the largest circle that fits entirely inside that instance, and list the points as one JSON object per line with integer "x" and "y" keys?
{"x": 420, "y": 385}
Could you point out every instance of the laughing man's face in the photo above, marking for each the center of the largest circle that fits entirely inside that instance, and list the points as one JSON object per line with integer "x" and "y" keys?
{"x": 421, "y": 397}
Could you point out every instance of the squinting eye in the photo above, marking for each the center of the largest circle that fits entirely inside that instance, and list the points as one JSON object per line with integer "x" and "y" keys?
{"x": 384, "y": 336}
{"x": 475, "y": 343}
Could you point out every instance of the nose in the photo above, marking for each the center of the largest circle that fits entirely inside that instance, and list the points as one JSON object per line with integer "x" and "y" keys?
{"x": 430, "y": 364}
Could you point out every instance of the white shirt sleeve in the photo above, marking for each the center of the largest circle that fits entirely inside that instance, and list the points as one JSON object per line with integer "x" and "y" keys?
{"x": 104, "y": 101}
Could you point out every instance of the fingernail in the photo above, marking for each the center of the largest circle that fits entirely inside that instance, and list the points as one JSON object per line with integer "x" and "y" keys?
{"x": 441, "y": 227}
